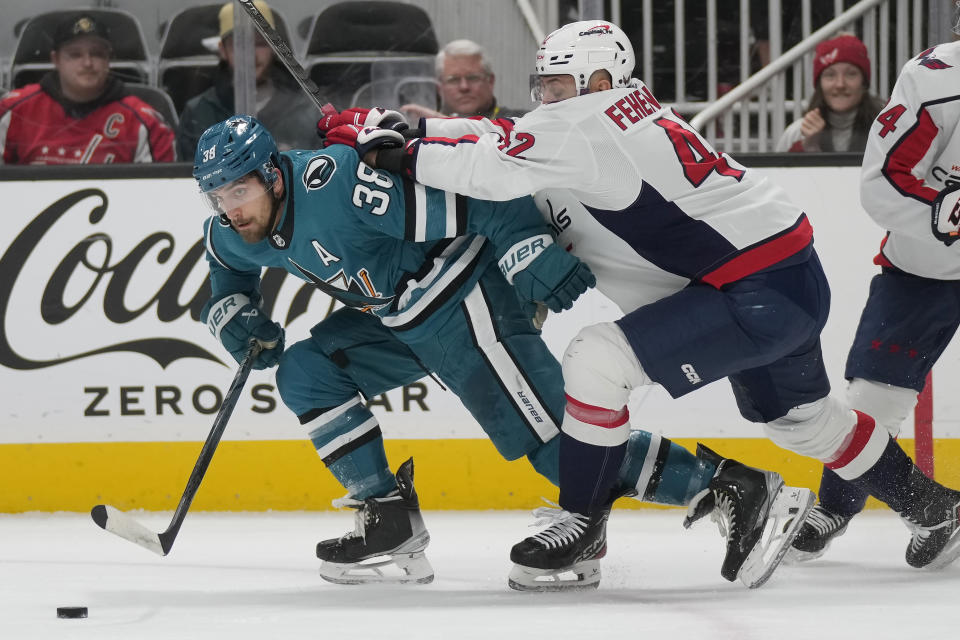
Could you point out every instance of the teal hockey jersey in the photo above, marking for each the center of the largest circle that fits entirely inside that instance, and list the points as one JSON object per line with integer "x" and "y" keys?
{"x": 373, "y": 240}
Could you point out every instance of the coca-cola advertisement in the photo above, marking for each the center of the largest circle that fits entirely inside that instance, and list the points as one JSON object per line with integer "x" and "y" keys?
{"x": 101, "y": 291}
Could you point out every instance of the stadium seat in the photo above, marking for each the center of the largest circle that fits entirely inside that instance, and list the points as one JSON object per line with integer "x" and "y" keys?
{"x": 156, "y": 98}
{"x": 185, "y": 66}
{"x": 31, "y": 58}
{"x": 355, "y": 53}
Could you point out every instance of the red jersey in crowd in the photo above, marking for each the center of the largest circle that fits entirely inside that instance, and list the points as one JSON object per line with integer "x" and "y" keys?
{"x": 38, "y": 125}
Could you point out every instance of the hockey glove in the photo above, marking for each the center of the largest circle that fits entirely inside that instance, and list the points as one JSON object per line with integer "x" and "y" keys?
{"x": 364, "y": 139}
{"x": 234, "y": 320}
{"x": 383, "y": 118}
{"x": 543, "y": 272}
{"x": 946, "y": 215}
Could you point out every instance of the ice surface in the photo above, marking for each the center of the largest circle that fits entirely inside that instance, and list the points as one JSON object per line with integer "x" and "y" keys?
{"x": 254, "y": 575}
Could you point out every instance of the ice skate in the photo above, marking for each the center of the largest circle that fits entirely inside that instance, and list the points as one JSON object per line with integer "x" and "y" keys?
{"x": 751, "y": 507}
{"x": 817, "y": 532}
{"x": 566, "y": 555}
{"x": 933, "y": 520}
{"x": 387, "y": 543}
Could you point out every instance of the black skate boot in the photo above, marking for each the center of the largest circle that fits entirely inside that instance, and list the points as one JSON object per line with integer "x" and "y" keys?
{"x": 742, "y": 501}
{"x": 389, "y": 535}
{"x": 571, "y": 545}
{"x": 816, "y": 534}
{"x": 933, "y": 519}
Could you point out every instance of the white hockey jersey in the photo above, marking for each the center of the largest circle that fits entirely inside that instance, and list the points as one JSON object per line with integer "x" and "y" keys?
{"x": 629, "y": 187}
{"x": 913, "y": 152}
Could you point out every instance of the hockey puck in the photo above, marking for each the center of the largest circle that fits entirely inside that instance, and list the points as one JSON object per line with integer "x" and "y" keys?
{"x": 71, "y": 612}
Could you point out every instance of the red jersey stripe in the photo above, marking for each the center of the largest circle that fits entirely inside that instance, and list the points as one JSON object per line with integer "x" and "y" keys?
{"x": 762, "y": 256}
{"x": 906, "y": 154}
{"x": 470, "y": 139}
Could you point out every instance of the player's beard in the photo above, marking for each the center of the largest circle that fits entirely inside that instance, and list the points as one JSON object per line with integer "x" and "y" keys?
{"x": 255, "y": 232}
{"x": 262, "y": 232}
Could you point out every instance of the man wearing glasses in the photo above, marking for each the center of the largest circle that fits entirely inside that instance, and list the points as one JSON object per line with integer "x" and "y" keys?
{"x": 465, "y": 85}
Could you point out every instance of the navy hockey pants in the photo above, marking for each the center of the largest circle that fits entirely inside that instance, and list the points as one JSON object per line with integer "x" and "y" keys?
{"x": 906, "y": 324}
{"x": 762, "y": 332}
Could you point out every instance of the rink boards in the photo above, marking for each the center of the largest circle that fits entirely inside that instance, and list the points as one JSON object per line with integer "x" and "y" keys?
{"x": 110, "y": 384}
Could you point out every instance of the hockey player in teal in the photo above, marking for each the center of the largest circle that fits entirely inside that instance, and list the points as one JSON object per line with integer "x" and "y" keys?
{"x": 431, "y": 282}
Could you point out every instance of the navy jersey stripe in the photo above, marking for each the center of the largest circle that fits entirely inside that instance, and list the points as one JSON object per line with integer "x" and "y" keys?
{"x": 694, "y": 247}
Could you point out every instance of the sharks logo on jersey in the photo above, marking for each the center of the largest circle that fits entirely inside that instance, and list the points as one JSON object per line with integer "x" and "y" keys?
{"x": 347, "y": 290}
{"x": 318, "y": 172}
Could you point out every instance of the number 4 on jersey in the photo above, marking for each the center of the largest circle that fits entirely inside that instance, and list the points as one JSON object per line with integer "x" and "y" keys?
{"x": 694, "y": 155}
{"x": 889, "y": 119}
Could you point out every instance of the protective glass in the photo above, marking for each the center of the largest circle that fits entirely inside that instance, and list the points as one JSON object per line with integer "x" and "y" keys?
{"x": 238, "y": 193}
{"x": 955, "y": 25}
{"x": 553, "y": 88}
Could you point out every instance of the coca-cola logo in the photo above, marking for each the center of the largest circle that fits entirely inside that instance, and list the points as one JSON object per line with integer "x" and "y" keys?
{"x": 94, "y": 257}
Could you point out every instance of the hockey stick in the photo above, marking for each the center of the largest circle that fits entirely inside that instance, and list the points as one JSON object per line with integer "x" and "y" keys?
{"x": 119, "y": 523}
{"x": 280, "y": 47}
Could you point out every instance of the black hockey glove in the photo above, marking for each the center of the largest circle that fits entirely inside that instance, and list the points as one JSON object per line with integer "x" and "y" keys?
{"x": 234, "y": 320}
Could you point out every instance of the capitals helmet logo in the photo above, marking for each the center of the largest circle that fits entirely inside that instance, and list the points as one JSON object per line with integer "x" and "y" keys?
{"x": 597, "y": 30}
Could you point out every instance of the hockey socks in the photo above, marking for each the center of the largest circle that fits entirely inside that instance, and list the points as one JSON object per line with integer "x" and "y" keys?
{"x": 589, "y": 474}
{"x": 840, "y": 497}
{"x": 663, "y": 472}
{"x": 894, "y": 479}
{"x": 348, "y": 440}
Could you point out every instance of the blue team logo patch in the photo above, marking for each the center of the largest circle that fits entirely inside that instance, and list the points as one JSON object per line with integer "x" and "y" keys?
{"x": 318, "y": 172}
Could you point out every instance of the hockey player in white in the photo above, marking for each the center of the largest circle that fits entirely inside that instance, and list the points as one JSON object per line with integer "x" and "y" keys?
{"x": 908, "y": 185}
{"x": 716, "y": 272}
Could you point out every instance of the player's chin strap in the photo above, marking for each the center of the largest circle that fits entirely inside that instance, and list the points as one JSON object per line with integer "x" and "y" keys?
{"x": 275, "y": 211}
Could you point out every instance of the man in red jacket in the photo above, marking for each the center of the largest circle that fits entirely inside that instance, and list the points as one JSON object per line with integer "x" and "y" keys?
{"x": 80, "y": 113}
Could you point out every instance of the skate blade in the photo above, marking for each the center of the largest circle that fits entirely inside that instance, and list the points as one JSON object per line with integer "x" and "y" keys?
{"x": 795, "y": 556}
{"x": 412, "y": 568}
{"x": 791, "y": 503}
{"x": 583, "y": 575}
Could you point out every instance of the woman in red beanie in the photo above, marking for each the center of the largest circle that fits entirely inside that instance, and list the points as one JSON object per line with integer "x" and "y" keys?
{"x": 842, "y": 108}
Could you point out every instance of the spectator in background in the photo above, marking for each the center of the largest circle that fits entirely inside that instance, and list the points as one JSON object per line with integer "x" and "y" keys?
{"x": 842, "y": 108}
{"x": 465, "y": 80}
{"x": 280, "y": 104}
{"x": 80, "y": 113}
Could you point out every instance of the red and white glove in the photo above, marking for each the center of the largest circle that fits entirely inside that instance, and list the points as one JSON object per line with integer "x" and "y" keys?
{"x": 383, "y": 118}
{"x": 364, "y": 139}
{"x": 946, "y": 216}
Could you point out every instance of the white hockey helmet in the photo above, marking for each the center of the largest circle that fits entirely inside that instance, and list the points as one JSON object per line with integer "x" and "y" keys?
{"x": 581, "y": 48}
